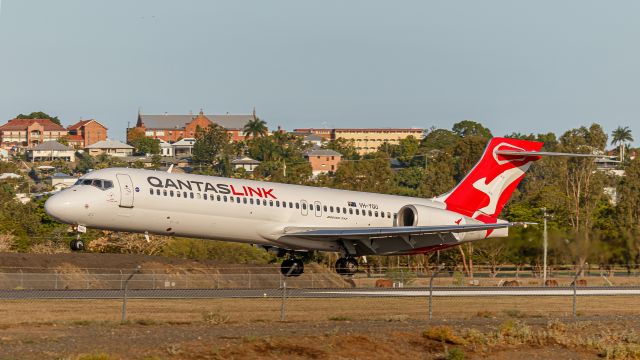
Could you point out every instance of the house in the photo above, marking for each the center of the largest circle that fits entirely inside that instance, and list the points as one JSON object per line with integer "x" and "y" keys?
{"x": 165, "y": 149}
{"x": 110, "y": 147}
{"x": 183, "y": 147}
{"x": 172, "y": 128}
{"x": 366, "y": 140}
{"x": 322, "y": 160}
{"x": 313, "y": 139}
{"x": 85, "y": 133}
{"x": 246, "y": 163}
{"x": 28, "y": 133}
{"x": 61, "y": 181}
{"x": 51, "y": 150}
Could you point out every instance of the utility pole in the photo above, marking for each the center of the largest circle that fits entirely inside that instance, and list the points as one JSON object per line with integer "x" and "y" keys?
{"x": 544, "y": 246}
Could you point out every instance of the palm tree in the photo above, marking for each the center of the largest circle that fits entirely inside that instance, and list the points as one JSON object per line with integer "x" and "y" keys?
{"x": 255, "y": 128}
{"x": 620, "y": 136}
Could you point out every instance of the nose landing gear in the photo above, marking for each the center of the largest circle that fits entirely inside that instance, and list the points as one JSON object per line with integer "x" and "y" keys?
{"x": 76, "y": 245}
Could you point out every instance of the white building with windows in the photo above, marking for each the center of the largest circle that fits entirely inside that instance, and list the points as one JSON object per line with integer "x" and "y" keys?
{"x": 110, "y": 147}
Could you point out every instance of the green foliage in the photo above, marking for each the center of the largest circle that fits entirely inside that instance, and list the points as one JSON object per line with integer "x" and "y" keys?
{"x": 210, "y": 144}
{"x": 346, "y": 147}
{"x": 217, "y": 250}
{"x": 255, "y": 128}
{"x": 145, "y": 145}
{"x": 471, "y": 128}
{"x": 39, "y": 115}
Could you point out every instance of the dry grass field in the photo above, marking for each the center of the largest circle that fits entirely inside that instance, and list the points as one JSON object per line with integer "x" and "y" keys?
{"x": 387, "y": 328}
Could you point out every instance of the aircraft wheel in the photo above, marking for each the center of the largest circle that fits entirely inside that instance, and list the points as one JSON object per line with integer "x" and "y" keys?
{"x": 286, "y": 267}
{"x": 299, "y": 267}
{"x": 346, "y": 266}
{"x": 76, "y": 245}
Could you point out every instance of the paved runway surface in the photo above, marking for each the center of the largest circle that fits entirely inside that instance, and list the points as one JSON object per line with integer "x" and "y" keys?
{"x": 312, "y": 293}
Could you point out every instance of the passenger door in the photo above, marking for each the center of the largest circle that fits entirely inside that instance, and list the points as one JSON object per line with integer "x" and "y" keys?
{"x": 126, "y": 190}
{"x": 318, "y": 208}
{"x": 303, "y": 207}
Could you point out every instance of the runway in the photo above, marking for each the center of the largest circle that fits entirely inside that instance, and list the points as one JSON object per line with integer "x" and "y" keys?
{"x": 311, "y": 293}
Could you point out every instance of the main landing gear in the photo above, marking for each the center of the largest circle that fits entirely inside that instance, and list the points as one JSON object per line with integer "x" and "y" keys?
{"x": 346, "y": 266}
{"x": 292, "y": 267}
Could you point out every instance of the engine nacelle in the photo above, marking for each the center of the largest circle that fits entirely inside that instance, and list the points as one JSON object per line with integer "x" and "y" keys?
{"x": 420, "y": 215}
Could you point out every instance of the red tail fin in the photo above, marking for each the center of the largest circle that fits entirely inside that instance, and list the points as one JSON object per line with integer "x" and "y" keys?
{"x": 486, "y": 189}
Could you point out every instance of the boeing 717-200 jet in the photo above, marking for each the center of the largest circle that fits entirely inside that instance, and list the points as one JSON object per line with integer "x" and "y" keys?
{"x": 294, "y": 219}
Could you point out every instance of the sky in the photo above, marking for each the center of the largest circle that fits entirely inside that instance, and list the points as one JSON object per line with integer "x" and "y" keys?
{"x": 514, "y": 66}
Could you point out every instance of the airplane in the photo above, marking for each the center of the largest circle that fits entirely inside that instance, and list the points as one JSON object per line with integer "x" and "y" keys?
{"x": 294, "y": 220}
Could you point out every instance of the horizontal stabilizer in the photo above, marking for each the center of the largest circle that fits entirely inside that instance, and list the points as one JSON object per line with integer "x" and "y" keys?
{"x": 541, "y": 153}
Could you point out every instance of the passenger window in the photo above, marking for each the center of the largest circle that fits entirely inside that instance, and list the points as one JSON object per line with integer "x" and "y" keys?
{"x": 205, "y": 196}
{"x": 324, "y": 208}
{"x": 304, "y": 206}
{"x": 350, "y": 211}
{"x": 376, "y": 214}
{"x": 177, "y": 193}
{"x": 218, "y": 197}
{"x": 191, "y": 195}
{"x": 277, "y": 203}
{"x": 157, "y": 191}
{"x": 389, "y": 215}
{"x": 331, "y": 208}
{"x": 290, "y": 205}
{"x": 251, "y": 201}
{"x": 369, "y": 212}
{"x": 224, "y": 198}
{"x": 317, "y": 207}
{"x": 297, "y": 205}
{"x": 338, "y": 210}
{"x": 185, "y": 194}
{"x": 244, "y": 200}
{"x": 164, "y": 192}
{"x": 344, "y": 210}
{"x": 357, "y": 212}
{"x": 151, "y": 191}
{"x": 270, "y": 202}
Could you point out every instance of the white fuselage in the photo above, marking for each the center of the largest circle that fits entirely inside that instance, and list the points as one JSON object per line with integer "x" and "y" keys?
{"x": 222, "y": 208}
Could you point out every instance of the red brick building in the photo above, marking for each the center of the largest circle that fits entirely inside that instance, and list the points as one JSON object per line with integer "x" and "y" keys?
{"x": 30, "y": 132}
{"x": 323, "y": 160}
{"x": 172, "y": 128}
{"x": 85, "y": 133}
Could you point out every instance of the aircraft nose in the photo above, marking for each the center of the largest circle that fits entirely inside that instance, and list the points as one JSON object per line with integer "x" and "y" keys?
{"x": 59, "y": 207}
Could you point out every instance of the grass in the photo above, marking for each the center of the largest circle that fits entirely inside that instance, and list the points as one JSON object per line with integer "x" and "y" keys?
{"x": 339, "y": 318}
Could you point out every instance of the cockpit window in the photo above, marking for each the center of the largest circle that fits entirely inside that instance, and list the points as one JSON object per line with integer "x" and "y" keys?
{"x": 99, "y": 183}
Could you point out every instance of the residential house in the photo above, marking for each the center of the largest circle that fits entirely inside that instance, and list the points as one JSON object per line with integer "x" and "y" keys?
{"x": 51, "y": 150}
{"x": 28, "y": 133}
{"x": 165, "y": 149}
{"x": 110, "y": 147}
{"x": 85, "y": 133}
{"x": 183, "y": 147}
{"x": 246, "y": 163}
{"x": 323, "y": 160}
{"x": 61, "y": 181}
{"x": 172, "y": 128}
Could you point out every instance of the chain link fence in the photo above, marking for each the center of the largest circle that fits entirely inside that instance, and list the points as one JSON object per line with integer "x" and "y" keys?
{"x": 263, "y": 294}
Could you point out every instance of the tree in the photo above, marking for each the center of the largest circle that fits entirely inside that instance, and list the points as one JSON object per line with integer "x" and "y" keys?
{"x": 620, "y": 136}
{"x": 346, "y": 147}
{"x": 255, "y": 128}
{"x": 39, "y": 115}
{"x": 628, "y": 210}
{"x": 210, "y": 144}
{"x": 471, "y": 128}
{"x": 439, "y": 139}
{"x": 141, "y": 143}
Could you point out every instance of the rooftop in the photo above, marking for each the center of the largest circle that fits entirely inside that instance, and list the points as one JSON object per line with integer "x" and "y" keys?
{"x": 109, "y": 144}
{"x": 321, "y": 152}
{"x": 227, "y": 121}
{"x": 23, "y": 124}
{"x": 51, "y": 146}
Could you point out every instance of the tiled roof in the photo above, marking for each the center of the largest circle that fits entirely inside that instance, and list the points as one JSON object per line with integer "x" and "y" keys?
{"x": 51, "y": 146}
{"x": 321, "y": 152}
{"x": 180, "y": 121}
{"x": 82, "y": 123}
{"x": 109, "y": 144}
{"x": 23, "y": 124}
{"x": 245, "y": 160}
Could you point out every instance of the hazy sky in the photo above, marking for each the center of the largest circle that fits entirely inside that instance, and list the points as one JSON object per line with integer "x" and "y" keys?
{"x": 533, "y": 66}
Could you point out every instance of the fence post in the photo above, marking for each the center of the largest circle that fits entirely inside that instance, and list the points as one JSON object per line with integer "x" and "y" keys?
{"x": 21, "y": 279}
{"x": 283, "y": 309}
{"x": 575, "y": 291}
{"x": 438, "y": 268}
{"x": 56, "y": 286}
{"x": 124, "y": 295}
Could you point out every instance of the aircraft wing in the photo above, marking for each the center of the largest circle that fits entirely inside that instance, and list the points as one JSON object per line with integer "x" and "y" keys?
{"x": 380, "y": 232}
